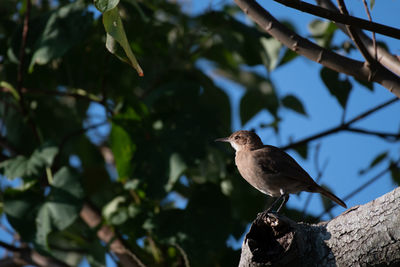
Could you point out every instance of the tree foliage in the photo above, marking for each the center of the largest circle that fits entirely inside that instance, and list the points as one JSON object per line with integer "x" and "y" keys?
{"x": 152, "y": 172}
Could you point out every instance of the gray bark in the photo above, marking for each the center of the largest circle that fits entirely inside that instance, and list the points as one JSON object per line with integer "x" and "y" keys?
{"x": 367, "y": 235}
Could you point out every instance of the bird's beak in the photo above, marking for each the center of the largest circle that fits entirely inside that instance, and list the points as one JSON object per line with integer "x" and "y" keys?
{"x": 225, "y": 139}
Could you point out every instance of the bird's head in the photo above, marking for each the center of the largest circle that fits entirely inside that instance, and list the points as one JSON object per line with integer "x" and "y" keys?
{"x": 243, "y": 140}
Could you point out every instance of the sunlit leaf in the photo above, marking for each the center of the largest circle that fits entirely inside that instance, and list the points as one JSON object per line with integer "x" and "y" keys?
{"x": 176, "y": 168}
{"x": 116, "y": 34}
{"x": 105, "y": 5}
{"x": 123, "y": 150}
{"x": 272, "y": 48}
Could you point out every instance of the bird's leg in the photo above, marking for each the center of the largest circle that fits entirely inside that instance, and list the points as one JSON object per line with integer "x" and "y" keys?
{"x": 285, "y": 199}
{"x": 270, "y": 209}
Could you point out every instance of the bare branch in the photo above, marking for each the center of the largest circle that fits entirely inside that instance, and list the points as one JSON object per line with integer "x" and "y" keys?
{"x": 341, "y": 127}
{"x": 342, "y": 18}
{"x": 383, "y": 56}
{"x": 316, "y": 53}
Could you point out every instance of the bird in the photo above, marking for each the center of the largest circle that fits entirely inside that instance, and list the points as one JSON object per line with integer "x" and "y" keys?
{"x": 271, "y": 170}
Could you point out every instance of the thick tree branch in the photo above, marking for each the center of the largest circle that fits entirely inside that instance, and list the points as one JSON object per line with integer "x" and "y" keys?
{"x": 342, "y": 18}
{"x": 363, "y": 235}
{"x": 342, "y": 126}
{"x": 316, "y": 53}
{"x": 383, "y": 56}
{"x": 106, "y": 234}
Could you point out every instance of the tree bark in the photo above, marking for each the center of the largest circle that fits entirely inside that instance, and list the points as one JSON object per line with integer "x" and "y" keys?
{"x": 367, "y": 235}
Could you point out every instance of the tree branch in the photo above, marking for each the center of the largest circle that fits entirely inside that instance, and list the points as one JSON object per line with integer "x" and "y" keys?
{"x": 342, "y": 18}
{"x": 92, "y": 218}
{"x": 27, "y": 256}
{"x": 391, "y": 137}
{"x": 363, "y": 186}
{"x": 316, "y": 53}
{"x": 362, "y": 235}
{"x": 342, "y": 126}
{"x": 356, "y": 39}
{"x": 383, "y": 56}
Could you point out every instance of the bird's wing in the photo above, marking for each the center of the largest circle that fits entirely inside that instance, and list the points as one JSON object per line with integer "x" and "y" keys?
{"x": 276, "y": 161}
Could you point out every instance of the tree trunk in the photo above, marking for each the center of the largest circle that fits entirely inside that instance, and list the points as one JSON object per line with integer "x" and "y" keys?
{"x": 367, "y": 235}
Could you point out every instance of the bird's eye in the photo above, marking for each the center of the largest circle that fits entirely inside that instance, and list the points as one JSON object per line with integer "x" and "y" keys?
{"x": 236, "y": 137}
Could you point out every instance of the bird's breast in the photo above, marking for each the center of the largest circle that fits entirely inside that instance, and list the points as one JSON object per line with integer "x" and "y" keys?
{"x": 253, "y": 173}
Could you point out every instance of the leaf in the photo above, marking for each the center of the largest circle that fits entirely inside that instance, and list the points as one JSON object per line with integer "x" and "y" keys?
{"x": 293, "y": 103}
{"x": 338, "y": 88}
{"x": 123, "y": 150}
{"x": 111, "y": 207}
{"x": 116, "y": 33}
{"x": 61, "y": 207}
{"x": 272, "y": 48}
{"x": 176, "y": 168}
{"x": 302, "y": 150}
{"x": 23, "y": 167}
{"x": 256, "y": 99}
{"x": 21, "y": 209}
{"x": 11, "y": 89}
{"x": 322, "y": 31}
{"x": 372, "y": 4}
{"x": 105, "y": 5}
{"x": 395, "y": 173}
{"x": 366, "y": 84}
{"x": 378, "y": 159}
{"x": 65, "y": 27}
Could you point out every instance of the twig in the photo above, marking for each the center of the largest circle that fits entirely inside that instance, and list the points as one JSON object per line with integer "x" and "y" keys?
{"x": 20, "y": 73}
{"x": 341, "y": 18}
{"x": 391, "y": 137}
{"x": 341, "y": 127}
{"x": 316, "y": 53}
{"x": 362, "y": 187}
{"x": 356, "y": 39}
{"x": 390, "y": 61}
{"x": 373, "y": 33}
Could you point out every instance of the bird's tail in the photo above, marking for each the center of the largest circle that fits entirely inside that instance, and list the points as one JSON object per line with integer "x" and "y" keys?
{"x": 331, "y": 196}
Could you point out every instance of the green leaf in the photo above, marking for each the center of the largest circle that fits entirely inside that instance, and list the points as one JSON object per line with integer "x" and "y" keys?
{"x": 116, "y": 33}
{"x": 395, "y": 173}
{"x": 21, "y": 208}
{"x": 123, "y": 150}
{"x": 176, "y": 168}
{"x": 322, "y": 31}
{"x": 302, "y": 150}
{"x": 256, "y": 99}
{"x": 66, "y": 27}
{"x": 23, "y": 167}
{"x": 272, "y": 48}
{"x": 10, "y": 88}
{"x": 293, "y": 103}
{"x": 366, "y": 84}
{"x": 105, "y": 5}
{"x": 61, "y": 207}
{"x": 338, "y": 88}
{"x": 372, "y": 4}
{"x": 378, "y": 159}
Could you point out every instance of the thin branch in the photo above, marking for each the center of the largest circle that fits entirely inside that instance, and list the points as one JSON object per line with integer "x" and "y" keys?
{"x": 20, "y": 73}
{"x": 341, "y": 18}
{"x": 373, "y": 33}
{"x": 363, "y": 186}
{"x": 341, "y": 127}
{"x": 390, "y": 137}
{"x": 316, "y": 53}
{"x": 388, "y": 60}
{"x": 356, "y": 39}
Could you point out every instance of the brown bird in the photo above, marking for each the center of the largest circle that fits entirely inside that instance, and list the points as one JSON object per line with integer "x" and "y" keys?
{"x": 271, "y": 170}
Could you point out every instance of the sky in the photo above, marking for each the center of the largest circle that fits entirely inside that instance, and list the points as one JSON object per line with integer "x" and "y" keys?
{"x": 343, "y": 154}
